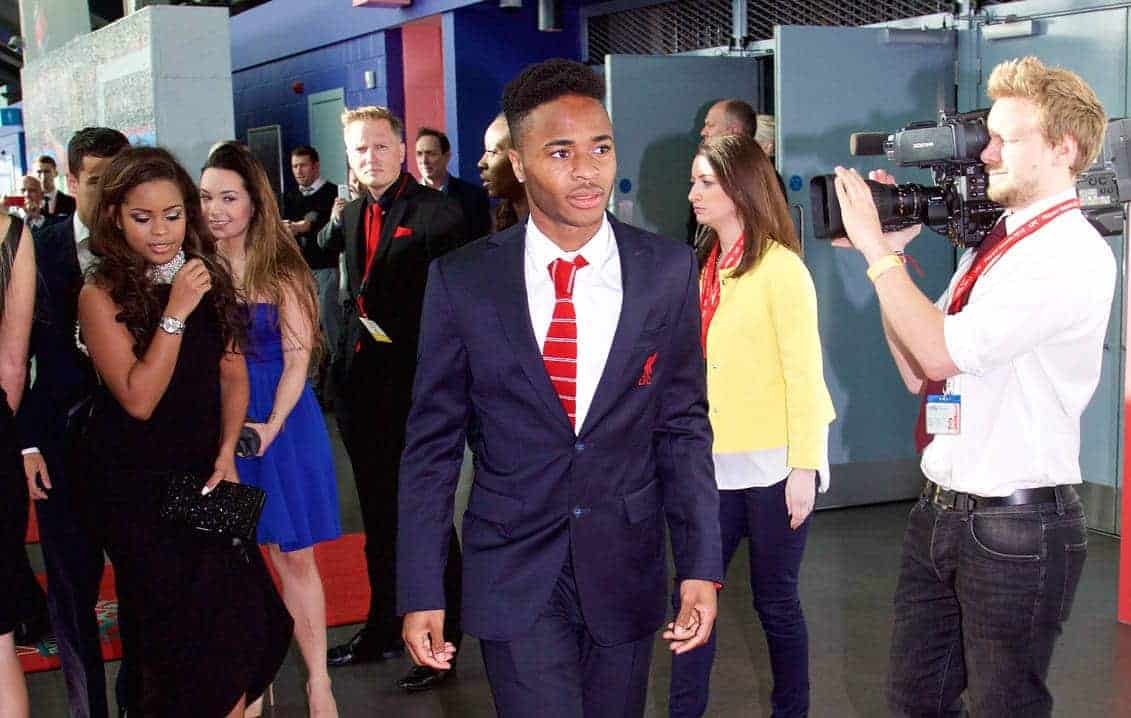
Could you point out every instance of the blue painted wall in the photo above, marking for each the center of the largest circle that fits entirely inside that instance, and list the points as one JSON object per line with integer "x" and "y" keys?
{"x": 490, "y": 46}
{"x": 263, "y": 96}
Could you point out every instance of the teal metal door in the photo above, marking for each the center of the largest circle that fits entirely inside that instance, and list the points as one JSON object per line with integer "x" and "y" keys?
{"x": 657, "y": 104}
{"x": 325, "y": 114}
{"x": 829, "y": 83}
{"x": 1093, "y": 44}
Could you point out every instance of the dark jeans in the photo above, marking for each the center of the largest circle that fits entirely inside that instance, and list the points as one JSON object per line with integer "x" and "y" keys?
{"x": 981, "y": 599}
{"x": 775, "y": 561}
{"x": 557, "y": 670}
{"x": 73, "y": 557}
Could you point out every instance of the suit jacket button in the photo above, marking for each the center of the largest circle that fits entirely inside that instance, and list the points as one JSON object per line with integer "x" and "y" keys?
{"x": 579, "y": 447}
{"x": 578, "y": 512}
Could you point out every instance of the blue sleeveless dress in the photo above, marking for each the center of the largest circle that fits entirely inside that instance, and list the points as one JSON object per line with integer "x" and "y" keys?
{"x": 297, "y": 472}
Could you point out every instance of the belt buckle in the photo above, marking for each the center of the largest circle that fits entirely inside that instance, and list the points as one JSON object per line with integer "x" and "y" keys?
{"x": 945, "y": 499}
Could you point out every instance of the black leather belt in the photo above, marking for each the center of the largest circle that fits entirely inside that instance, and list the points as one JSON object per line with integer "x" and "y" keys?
{"x": 961, "y": 501}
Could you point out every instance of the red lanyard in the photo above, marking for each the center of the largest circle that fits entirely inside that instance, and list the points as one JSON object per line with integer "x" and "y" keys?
{"x": 366, "y": 221}
{"x": 982, "y": 262}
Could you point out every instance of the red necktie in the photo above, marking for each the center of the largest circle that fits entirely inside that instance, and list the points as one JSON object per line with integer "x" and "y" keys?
{"x": 922, "y": 438}
{"x": 372, "y": 234}
{"x": 559, "y": 353}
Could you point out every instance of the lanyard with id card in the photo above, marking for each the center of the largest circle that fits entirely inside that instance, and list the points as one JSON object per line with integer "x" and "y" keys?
{"x": 944, "y": 412}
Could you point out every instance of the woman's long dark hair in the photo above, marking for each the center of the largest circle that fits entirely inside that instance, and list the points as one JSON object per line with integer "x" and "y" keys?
{"x": 274, "y": 262}
{"x": 123, "y": 273}
{"x": 746, "y": 175}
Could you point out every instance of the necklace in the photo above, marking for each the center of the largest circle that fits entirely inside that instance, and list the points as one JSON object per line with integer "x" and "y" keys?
{"x": 164, "y": 273}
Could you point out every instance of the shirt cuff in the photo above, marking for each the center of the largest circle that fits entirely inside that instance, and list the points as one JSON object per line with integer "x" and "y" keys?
{"x": 30, "y": 450}
{"x": 960, "y": 343}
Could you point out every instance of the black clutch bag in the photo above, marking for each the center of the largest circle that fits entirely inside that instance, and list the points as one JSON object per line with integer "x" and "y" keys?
{"x": 230, "y": 509}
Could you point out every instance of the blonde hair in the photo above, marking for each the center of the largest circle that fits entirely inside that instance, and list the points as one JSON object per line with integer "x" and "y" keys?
{"x": 764, "y": 131}
{"x": 373, "y": 113}
{"x": 1067, "y": 105}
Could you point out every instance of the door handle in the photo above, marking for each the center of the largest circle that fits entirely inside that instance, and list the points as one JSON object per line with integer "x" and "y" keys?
{"x": 800, "y": 226}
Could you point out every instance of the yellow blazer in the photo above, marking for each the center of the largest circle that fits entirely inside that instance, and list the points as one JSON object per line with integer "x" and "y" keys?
{"x": 765, "y": 380}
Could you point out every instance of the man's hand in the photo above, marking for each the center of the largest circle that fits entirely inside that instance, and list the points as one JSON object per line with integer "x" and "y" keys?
{"x": 862, "y": 220}
{"x": 35, "y": 466}
{"x": 423, "y": 634}
{"x": 336, "y": 212}
{"x": 698, "y": 607}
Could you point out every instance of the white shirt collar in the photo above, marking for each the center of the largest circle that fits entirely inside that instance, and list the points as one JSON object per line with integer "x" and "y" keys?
{"x": 81, "y": 231}
{"x": 597, "y": 251}
{"x": 1016, "y": 218}
{"x": 318, "y": 183}
{"x": 51, "y": 195}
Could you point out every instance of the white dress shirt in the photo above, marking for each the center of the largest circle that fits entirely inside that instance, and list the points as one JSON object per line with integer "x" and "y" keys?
{"x": 597, "y": 296}
{"x": 311, "y": 189}
{"x": 764, "y": 468}
{"x": 1029, "y": 345}
{"x": 49, "y": 200}
{"x": 82, "y": 244}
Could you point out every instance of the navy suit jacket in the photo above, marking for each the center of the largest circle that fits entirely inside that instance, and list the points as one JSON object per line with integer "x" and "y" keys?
{"x": 63, "y": 374}
{"x": 475, "y": 204}
{"x": 540, "y": 491}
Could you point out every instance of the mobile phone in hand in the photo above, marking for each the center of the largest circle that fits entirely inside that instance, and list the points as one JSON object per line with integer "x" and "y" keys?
{"x": 344, "y": 191}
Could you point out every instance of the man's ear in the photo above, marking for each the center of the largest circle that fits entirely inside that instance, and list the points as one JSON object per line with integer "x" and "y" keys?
{"x": 1066, "y": 151}
{"x": 516, "y": 164}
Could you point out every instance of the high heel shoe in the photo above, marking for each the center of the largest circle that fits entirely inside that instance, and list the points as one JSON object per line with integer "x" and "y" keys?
{"x": 255, "y": 710}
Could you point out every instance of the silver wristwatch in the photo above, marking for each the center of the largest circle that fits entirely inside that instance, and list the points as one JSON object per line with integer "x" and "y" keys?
{"x": 171, "y": 325}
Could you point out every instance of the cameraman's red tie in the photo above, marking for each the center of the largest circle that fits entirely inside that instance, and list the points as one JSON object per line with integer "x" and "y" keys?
{"x": 559, "y": 353}
{"x": 922, "y": 438}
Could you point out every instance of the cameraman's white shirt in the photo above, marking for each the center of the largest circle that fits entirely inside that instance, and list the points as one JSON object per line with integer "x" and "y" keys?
{"x": 1029, "y": 345}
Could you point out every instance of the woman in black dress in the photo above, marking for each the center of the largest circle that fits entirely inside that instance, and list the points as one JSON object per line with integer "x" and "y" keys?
{"x": 203, "y": 628}
{"x": 17, "y": 600}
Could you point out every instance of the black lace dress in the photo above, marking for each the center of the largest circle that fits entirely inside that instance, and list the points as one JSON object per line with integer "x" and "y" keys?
{"x": 19, "y": 597}
{"x": 201, "y": 621}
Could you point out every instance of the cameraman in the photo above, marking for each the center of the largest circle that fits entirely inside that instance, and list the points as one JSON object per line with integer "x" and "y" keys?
{"x": 1009, "y": 358}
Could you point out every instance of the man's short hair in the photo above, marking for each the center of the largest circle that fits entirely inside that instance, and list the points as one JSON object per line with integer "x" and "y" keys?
{"x": 48, "y": 159}
{"x": 445, "y": 146}
{"x": 98, "y": 142}
{"x": 305, "y": 151}
{"x": 373, "y": 113}
{"x": 741, "y": 113}
{"x": 1067, "y": 105}
{"x": 545, "y": 82}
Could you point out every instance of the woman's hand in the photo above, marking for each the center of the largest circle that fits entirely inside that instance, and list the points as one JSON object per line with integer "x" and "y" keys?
{"x": 223, "y": 470}
{"x": 267, "y": 434}
{"x": 189, "y": 286}
{"x": 800, "y": 495}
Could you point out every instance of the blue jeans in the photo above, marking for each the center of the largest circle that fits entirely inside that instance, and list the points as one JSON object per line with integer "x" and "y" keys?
{"x": 775, "y": 561}
{"x": 981, "y": 599}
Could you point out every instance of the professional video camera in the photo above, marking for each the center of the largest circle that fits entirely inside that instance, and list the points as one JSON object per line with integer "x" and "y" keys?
{"x": 958, "y": 206}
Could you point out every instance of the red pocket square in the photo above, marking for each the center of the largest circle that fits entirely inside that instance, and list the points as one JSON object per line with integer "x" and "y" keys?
{"x": 402, "y": 232}
{"x": 646, "y": 375}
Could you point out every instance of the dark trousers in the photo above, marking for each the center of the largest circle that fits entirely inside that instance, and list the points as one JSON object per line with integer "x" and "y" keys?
{"x": 557, "y": 670}
{"x": 73, "y": 556}
{"x": 775, "y": 561}
{"x": 981, "y": 599}
{"x": 377, "y": 402}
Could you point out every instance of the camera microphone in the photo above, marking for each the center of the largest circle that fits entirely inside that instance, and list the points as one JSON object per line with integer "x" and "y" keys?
{"x": 867, "y": 143}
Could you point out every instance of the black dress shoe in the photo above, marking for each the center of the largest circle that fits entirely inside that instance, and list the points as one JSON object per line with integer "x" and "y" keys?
{"x": 422, "y": 678}
{"x": 363, "y": 648}
{"x": 33, "y": 630}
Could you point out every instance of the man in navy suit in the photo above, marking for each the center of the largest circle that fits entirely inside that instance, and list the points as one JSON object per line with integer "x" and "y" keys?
{"x": 433, "y": 153}
{"x": 72, "y": 553}
{"x": 566, "y": 351}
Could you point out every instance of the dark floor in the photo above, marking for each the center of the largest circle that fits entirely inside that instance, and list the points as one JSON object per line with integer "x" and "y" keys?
{"x": 847, "y": 582}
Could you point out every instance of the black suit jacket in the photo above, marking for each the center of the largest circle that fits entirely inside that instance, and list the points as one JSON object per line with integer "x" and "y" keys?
{"x": 65, "y": 205}
{"x": 475, "y": 204}
{"x": 419, "y": 225}
{"x": 542, "y": 492}
{"x": 63, "y": 374}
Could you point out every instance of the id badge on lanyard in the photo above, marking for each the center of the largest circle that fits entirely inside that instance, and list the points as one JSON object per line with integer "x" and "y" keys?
{"x": 944, "y": 411}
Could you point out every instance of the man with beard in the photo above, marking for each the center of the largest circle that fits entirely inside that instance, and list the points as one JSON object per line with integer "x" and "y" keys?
{"x": 1005, "y": 362}
{"x": 566, "y": 350}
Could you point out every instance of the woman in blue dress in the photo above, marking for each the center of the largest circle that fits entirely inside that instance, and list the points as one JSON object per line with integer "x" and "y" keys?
{"x": 294, "y": 464}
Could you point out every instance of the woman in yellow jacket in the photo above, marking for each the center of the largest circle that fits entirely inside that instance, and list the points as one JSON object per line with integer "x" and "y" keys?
{"x": 770, "y": 408}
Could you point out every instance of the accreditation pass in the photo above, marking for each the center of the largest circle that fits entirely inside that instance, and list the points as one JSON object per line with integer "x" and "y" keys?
{"x": 944, "y": 412}
{"x": 375, "y": 331}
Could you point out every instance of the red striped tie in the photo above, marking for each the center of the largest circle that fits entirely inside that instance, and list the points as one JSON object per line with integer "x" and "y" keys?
{"x": 559, "y": 353}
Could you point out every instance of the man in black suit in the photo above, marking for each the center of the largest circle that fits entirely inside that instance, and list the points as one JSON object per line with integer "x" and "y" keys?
{"x": 389, "y": 235}
{"x": 56, "y": 204}
{"x": 63, "y": 375}
{"x": 433, "y": 152}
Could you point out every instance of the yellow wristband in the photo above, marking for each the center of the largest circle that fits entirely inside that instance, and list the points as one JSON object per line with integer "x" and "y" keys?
{"x": 878, "y": 267}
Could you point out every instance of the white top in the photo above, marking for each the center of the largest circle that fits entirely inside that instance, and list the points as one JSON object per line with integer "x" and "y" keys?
{"x": 1029, "y": 345}
{"x": 759, "y": 469}
{"x": 49, "y": 199}
{"x": 311, "y": 189}
{"x": 82, "y": 244}
{"x": 597, "y": 295}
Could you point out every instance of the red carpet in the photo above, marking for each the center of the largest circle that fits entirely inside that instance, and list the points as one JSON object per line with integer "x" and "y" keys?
{"x": 32, "y": 526}
{"x": 341, "y": 563}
